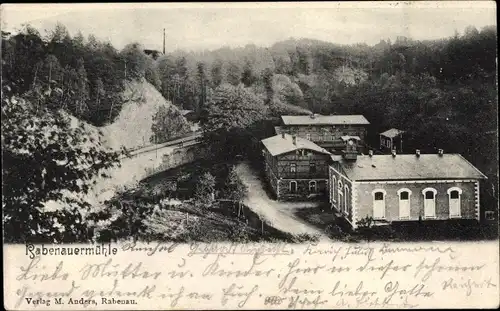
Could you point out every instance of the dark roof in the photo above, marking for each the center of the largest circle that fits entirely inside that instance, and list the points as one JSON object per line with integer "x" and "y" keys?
{"x": 410, "y": 167}
{"x": 325, "y": 120}
{"x": 392, "y": 133}
{"x": 278, "y": 145}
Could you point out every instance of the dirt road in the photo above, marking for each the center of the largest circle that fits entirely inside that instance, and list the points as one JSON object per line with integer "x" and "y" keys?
{"x": 279, "y": 214}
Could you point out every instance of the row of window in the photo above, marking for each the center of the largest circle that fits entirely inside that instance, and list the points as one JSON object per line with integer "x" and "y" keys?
{"x": 312, "y": 167}
{"x": 341, "y": 196}
{"x": 429, "y": 195}
{"x": 342, "y": 126}
{"x": 330, "y": 137}
{"x": 313, "y": 187}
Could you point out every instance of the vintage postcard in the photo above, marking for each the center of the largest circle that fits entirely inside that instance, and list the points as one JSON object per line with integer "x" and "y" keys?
{"x": 288, "y": 155}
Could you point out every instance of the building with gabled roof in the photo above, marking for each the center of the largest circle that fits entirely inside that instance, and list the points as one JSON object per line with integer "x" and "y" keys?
{"x": 315, "y": 119}
{"x": 392, "y": 139}
{"x": 325, "y": 131}
{"x": 284, "y": 143}
{"x": 404, "y": 187}
{"x": 296, "y": 168}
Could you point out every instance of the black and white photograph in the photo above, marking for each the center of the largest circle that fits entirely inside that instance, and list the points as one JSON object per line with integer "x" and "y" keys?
{"x": 298, "y": 124}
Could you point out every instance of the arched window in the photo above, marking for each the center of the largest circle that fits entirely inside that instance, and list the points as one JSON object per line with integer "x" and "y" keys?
{"x": 293, "y": 167}
{"x": 332, "y": 188}
{"x": 293, "y": 186}
{"x": 312, "y": 186}
{"x": 429, "y": 202}
{"x": 454, "y": 196}
{"x": 346, "y": 199}
{"x": 340, "y": 196}
{"x": 378, "y": 203}
{"x": 404, "y": 203}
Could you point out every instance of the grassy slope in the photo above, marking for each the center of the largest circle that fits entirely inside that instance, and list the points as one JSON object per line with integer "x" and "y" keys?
{"x": 132, "y": 127}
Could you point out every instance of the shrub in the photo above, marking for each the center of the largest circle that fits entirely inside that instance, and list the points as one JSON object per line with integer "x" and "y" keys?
{"x": 46, "y": 160}
{"x": 366, "y": 222}
{"x": 205, "y": 190}
{"x": 233, "y": 189}
{"x": 168, "y": 123}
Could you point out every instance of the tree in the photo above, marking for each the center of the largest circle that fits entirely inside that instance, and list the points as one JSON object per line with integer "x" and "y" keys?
{"x": 59, "y": 33}
{"x": 228, "y": 118}
{"x": 233, "y": 189}
{"x": 82, "y": 90}
{"x": 267, "y": 76}
{"x": 205, "y": 190}
{"x": 217, "y": 74}
{"x": 168, "y": 123}
{"x": 202, "y": 80}
{"x": 136, "y": 61}
{"x": 304, "y": 61}
{"x": 248, "y": 76}
{"x": 100, "y": 92}
{"x": 151, "y": 74}
{"x": 62, "y": 162}
{"x": 470, "y": 32}
{"x": 233, "y": 73}
{"x": 166, "y": 70}
{"x": 51, "y": 71}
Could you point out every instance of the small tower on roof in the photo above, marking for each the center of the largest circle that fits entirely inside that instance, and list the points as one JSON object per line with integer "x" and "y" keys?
{"x": 351, "y": 147}
{"x": 392, "y": 139}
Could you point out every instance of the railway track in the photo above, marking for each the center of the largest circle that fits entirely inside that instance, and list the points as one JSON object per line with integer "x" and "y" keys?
{"x": 190, "y": 140}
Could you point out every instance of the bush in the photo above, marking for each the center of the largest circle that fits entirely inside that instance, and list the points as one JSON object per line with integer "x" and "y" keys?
{"x": 233, "y": 189}
{"x": 365, "y": 223}
{"x": 305, "y": 237}
{"x": 46, "y": 160}
{"x": 368, "y": 230}
{"x": 205, "y": 190}
{"x": 168, "y": 123}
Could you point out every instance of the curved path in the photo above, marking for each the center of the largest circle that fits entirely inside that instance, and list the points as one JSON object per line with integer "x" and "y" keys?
{"x": 278, "y": 214}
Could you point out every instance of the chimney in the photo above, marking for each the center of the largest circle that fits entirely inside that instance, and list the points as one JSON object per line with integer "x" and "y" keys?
{"x": 283, "y": 135}
{"x": 440, "y": 152}
{"x": 393, "y": 153}
{"x": 294, "y": 139}
{"x": 163, "y": 41}
{"x": 370, "y": 153}
{"x": 417, "y": 153}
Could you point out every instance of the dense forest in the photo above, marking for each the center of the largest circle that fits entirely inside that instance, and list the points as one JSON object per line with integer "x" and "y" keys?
{"x": 443, "y": 93}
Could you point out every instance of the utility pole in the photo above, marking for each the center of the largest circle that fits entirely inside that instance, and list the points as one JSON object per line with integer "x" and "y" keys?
{"x": 163, "y": 41}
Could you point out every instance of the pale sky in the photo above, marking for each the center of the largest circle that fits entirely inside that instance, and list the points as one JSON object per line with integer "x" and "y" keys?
{"x": 213, "y": 25}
